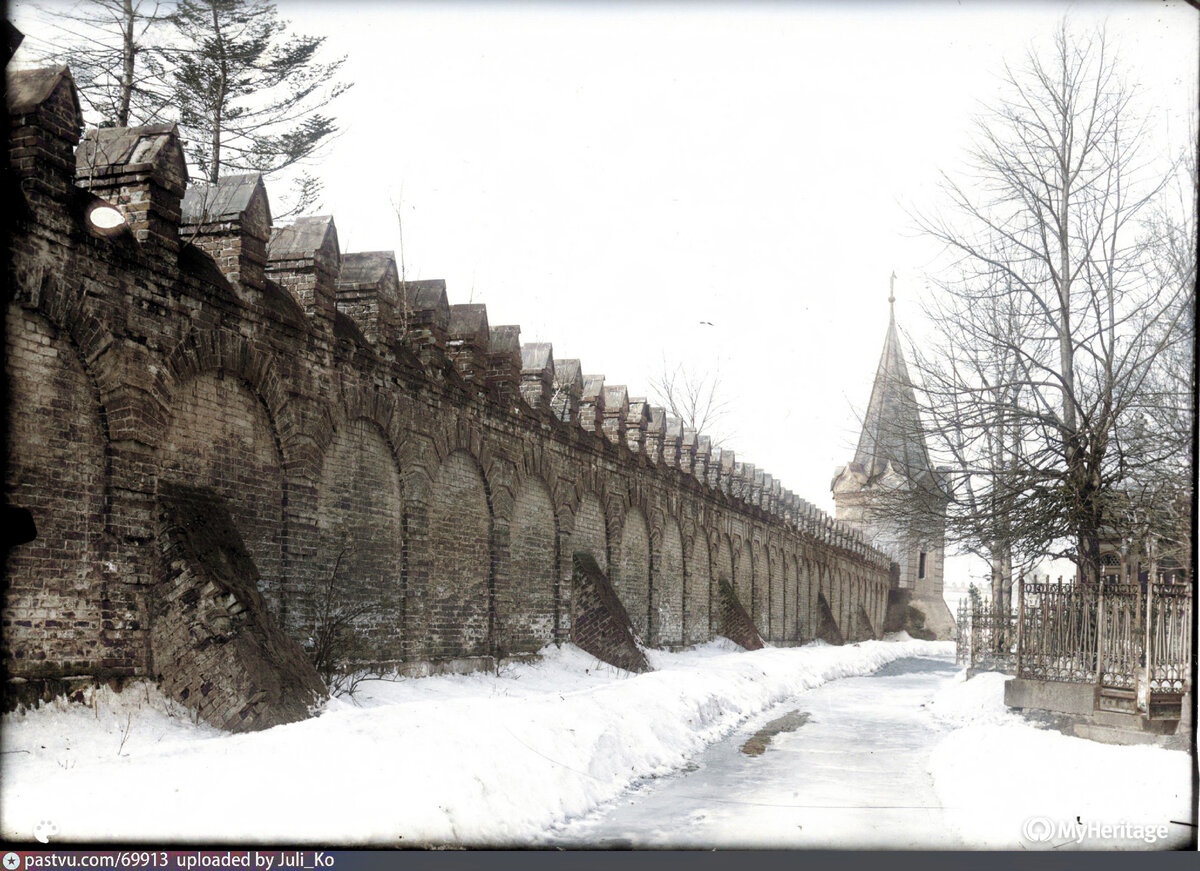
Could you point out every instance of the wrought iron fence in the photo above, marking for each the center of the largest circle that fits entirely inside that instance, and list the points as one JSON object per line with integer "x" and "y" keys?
{"x": 1116, "y": 636}
{"x": 986, "y": 637}
{"x": 1122, "y": 635}
{"x": 1170, "y": 656}
{"x": 1058, "y": 631}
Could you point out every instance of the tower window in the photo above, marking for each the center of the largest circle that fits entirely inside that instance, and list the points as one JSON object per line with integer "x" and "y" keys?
{"x": 921, "y": 566}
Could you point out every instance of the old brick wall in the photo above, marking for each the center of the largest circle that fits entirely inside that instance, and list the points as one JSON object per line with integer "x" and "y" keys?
{"x": 733, "y": 621}
{"x": 457, "y": 615}
{"x": 526, "y": 609}
{"x": 667, "y": 594}
{"x": 827, "y": 628}
{"x": 137, "y": 361}
{"x": 58, "y": 616}
{"x": 631, "y": 575}
{"x": 743, "y": 578}
{"x": 791, "y": 596}
{"x": 776, "y": 595}
{"x": 697, "y": 593}
{"x": 760, "y": 591}
{"x": 215, "y": 645}
{"x": 220, "y": 435}
{"x": 360, "y": 540}
{"x": 602, "y": 626}
{"x": 589, "y": 532}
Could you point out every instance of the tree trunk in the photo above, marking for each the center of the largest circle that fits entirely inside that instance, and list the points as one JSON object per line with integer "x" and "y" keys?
{"x": 218, "y": 108}
{"x": 128, "y": 56}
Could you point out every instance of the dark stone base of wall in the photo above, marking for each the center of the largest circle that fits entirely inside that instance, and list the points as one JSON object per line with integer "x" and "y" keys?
{"x": 827, "y": 628}
{"x": 216, "y": 648}
{"x": 733, "y": 622}
{"x": 601, "y": 624}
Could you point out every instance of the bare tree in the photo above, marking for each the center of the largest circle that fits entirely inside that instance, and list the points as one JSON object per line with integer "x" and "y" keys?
{"x": 1051, "y": 331}
{"x": 109, "y": 46}
{"x": 695, "y": 398}
{"x": 405, "y": 301}
{"x": 1159, "y": 496}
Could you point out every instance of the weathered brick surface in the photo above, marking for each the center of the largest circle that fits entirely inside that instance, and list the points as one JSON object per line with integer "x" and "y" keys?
{"x": 776, "y": 594}
{"x": 667, "y": 588}
{"x": 697, "y": 594}
{"x": 526, "y": 609}
{"x": 360, "y": 541}
{"x": 601, "y": 625}
{"x": 743, "y": 577}
{"x": 457, "y": 618}
{"x": 56, "y": 617}
{"x": 827, "y": 628}
{"x": 791, "y": 596}
{"x": 760, "y": 589}
{"x": 215, "y": 646}
{"x": 135, "y": 366}
{"x": 219, "y": 435}
{"x": 807, "y": 630}
{"x": 589, "y": 533}
{"x": 733, "y": 621}
{"x": 631, "y": 575}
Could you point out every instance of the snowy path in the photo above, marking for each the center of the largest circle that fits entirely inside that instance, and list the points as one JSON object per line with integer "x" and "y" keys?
{"x": 856, "y": 773}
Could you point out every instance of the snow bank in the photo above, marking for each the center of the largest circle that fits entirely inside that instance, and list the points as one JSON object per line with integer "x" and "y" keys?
{"x": 1007, "y": 784}
{"x": 475, "y": 759}
{"x": 973, "y": 702}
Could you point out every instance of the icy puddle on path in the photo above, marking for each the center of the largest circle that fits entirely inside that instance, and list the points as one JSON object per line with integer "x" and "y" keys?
{"x": 845, "y": 765}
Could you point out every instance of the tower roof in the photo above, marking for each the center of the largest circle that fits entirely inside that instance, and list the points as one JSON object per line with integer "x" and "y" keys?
{"x": 892, "y": 430}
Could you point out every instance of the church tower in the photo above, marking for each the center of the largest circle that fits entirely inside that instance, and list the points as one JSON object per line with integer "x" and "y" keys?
{"x": 891, "y": 471}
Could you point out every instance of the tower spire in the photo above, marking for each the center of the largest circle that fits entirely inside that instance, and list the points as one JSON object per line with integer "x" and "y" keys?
{"x": 892, "y": 431}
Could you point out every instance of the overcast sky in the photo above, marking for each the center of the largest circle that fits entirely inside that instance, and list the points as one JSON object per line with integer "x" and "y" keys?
{"x": 724, "y": 185}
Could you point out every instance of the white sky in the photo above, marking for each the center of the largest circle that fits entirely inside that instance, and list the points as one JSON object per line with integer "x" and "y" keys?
{"x": 610, "y": 175}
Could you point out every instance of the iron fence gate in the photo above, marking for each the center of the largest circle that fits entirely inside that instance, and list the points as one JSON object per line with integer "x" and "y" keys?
{"x": 986, "y": 637}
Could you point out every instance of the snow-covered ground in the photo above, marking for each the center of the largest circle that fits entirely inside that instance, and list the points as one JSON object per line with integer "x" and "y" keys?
{"x": 997, "y": 775}
{"x": 504, "y": 759}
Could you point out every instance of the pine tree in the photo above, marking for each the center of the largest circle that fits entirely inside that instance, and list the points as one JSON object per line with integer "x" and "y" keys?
{"x": 249, "y": 94}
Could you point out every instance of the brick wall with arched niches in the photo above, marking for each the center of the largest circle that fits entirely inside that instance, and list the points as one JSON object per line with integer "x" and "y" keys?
{"x": 631, "y": 575}
{"x": 220, "y": 435}
{"x": 697, "y": 598}
{"x": 667, "y": 592}
{"x": 589, "y": 533}
{"x": 525, "y": 608}
{"x": 458, "y": 603}
{"x": 360, "y": 542}
{"x": 777, "y": 595}
{"x": 55, "y": 602}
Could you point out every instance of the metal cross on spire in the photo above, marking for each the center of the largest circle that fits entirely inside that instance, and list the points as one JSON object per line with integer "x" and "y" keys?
{"x": 892, "y": 290}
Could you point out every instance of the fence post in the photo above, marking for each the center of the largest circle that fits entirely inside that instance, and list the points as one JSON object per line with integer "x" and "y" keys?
{"x": 1148, "y": 658}
{"x": 1100, "y": 621}
{"x": 1020, "y": 619}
